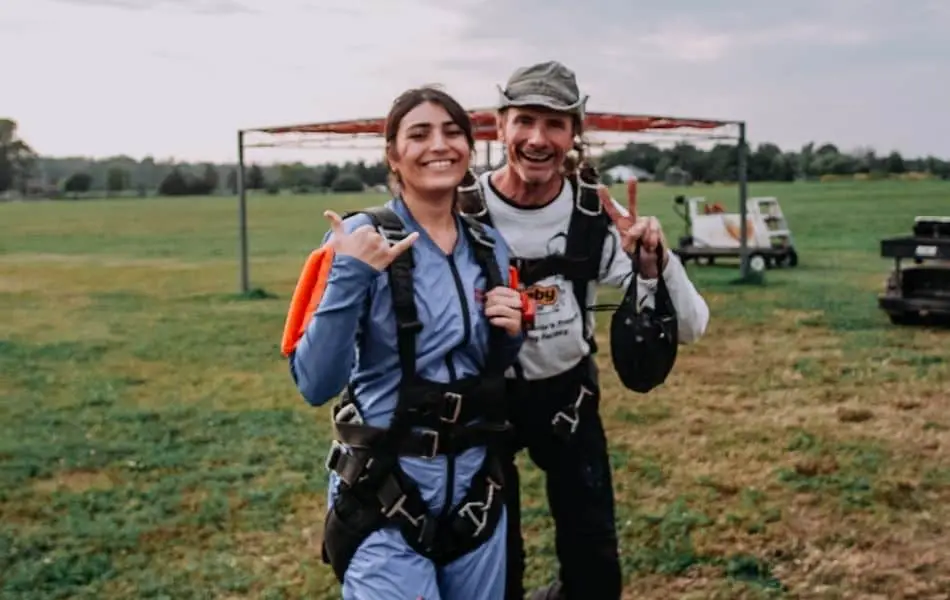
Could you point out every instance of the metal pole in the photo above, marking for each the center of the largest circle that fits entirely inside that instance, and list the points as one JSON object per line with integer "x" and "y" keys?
{"x": 488, "y": 154}
{"x": 743, "y": 195}
{"x": 242, "y": 215}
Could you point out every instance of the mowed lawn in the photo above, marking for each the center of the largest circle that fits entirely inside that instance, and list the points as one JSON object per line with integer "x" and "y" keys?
{"x": 152, "y": 444}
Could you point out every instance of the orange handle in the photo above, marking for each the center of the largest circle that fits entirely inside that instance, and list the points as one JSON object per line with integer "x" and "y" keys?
{"x": 528, "y": 311}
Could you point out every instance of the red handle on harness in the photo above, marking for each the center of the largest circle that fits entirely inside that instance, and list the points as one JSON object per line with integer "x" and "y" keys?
{"x": 528, "y": 308}
{"x": 528, "y": 305}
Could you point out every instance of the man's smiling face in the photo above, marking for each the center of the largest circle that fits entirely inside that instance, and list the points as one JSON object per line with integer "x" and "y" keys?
{"x": 536, "y": 141}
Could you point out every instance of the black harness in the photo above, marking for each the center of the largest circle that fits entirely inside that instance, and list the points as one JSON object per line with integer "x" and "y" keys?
{"x": 586, "y": 232}
{"x": 430, "y": 419}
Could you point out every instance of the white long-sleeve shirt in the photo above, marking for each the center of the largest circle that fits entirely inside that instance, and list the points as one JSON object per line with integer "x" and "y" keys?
{"x": 557, "y": 342}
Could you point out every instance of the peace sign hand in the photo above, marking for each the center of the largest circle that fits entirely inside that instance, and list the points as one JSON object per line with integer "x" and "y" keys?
{"x": 633, "y": 228}
{"x": 365, "y": 243}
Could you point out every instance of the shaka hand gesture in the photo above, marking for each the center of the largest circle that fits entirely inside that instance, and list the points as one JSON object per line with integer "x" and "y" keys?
{"x": 365, "y": 243}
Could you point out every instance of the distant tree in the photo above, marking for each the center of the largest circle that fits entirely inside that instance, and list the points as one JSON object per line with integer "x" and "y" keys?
{"x": 255, "y": 178}
{"x": 376, "y": 174}
{"x": 895, "y": 163}
{"x": 204, "y": 185}
{"x": 722, "y": 163}
{"x": 937, "y": 167}
{"x": 330, "y": 174}
{"x": 174, "y": 184}
{"x": 347, "y": 182}
{"x": 805, "y": 161}
{"x": 762, "y": 160}
{"x": 78, "y": 183}
{"x": 16, "y": 157}
{"x": 297, "y": 177}
{"x": 117, "y": 180}
{"x": 231, "y": 182}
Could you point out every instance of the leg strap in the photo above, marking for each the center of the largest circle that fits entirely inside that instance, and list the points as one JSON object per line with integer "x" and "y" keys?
{"x": 369, "y": 499}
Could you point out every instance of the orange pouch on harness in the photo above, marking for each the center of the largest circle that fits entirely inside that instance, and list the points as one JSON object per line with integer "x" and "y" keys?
{"x": 307, "y": 295}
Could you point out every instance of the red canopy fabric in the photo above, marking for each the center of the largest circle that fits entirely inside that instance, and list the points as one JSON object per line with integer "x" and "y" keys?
{"x": 484, "y": 122}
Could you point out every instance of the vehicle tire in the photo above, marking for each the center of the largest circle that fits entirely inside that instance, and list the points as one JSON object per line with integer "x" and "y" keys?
{"x": 791, "y": 258}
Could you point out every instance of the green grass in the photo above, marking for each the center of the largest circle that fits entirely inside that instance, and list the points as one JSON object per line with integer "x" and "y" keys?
{"x": 152, "y": 444}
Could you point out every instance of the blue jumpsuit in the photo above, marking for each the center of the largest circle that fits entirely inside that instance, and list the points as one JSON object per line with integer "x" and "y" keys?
{"x": 351, "y": 338}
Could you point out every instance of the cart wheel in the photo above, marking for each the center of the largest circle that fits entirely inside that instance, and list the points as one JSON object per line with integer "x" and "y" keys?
{"x": 792, "y": 257}
{"x": 757, "y": 263}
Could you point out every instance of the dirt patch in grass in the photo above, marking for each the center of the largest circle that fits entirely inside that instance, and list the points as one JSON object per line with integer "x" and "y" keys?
{"x": 75, "y": 482}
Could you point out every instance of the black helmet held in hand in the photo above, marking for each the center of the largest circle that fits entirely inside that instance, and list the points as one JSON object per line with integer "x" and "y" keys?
{"x": 643, "y": 343}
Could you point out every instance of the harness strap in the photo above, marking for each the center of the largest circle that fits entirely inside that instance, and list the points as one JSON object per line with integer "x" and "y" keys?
{"x": 533, "y": 270}
{"x": 436, "y": 404}
{"x": 585, "y": 239}
{"x": 471, "y": 199}
{"x": 398, "y": 501}
{"x": 587, "y": 230}
{"x": 426, "y": 443}
{"x": 390, "y": 226}
{"x": 483, "y": 246}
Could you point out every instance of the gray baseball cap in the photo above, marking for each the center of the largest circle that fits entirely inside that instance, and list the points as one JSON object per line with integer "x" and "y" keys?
{"x": 549, "y": 84}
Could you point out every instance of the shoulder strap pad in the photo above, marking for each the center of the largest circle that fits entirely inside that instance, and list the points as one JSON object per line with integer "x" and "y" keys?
{"x": 586, "y": 234}
{"x": 471, "y": 199}
{"x": 476, "y": 229}
{"x": 484, "y": 247}
{"x": 386, "y": 221}
{"x": 588, "y": 227}
{"x": 586, "y": 200}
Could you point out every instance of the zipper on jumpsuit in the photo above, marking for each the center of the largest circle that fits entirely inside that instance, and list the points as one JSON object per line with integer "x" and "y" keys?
{"x": 453, "y": 376}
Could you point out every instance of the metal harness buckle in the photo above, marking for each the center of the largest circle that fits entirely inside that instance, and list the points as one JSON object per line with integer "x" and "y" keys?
{"x": 579, "y": 205}
{"x": 434, "y": 451}
{"x": 474, "y": 188}
{"x": 399, "y": 508}
{"x": 481, "y": 519}
{"x": 482, "y": 237}
{"x": 348, "y": 413}
{"x": 454, "y": 400}
{"x": 574, "y": 418}
{"x": 333, "y": 456}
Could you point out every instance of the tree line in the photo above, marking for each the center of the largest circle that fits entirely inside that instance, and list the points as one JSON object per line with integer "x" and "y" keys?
{"x": 24, "y": 170}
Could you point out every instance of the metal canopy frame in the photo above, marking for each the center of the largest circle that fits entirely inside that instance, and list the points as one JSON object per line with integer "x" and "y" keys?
{"x": 484, "y": 124}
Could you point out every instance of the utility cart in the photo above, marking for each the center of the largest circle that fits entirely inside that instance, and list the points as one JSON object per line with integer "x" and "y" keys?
{"x": 713, "y": 233}
{"x": 919, "y": 293}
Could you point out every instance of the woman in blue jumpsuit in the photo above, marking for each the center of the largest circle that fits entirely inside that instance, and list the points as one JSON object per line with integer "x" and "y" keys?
{"x": 344, "y": 333}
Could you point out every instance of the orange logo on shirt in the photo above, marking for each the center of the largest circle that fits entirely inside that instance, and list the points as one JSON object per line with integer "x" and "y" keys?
{"x": 543, "y": 295}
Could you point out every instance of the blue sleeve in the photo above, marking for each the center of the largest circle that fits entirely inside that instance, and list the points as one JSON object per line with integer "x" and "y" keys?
{"x": 324, "y": 357}
{"x": 512, "y": 343}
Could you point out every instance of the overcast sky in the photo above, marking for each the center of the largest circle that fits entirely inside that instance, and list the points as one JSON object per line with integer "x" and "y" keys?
{"x": 177, "y": 78}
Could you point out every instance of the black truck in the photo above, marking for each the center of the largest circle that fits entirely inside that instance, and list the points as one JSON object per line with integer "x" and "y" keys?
{"x": 919, "y": 293}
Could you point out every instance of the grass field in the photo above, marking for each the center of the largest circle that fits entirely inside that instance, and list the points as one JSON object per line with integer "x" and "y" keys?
{"x": 152, "y": 444}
